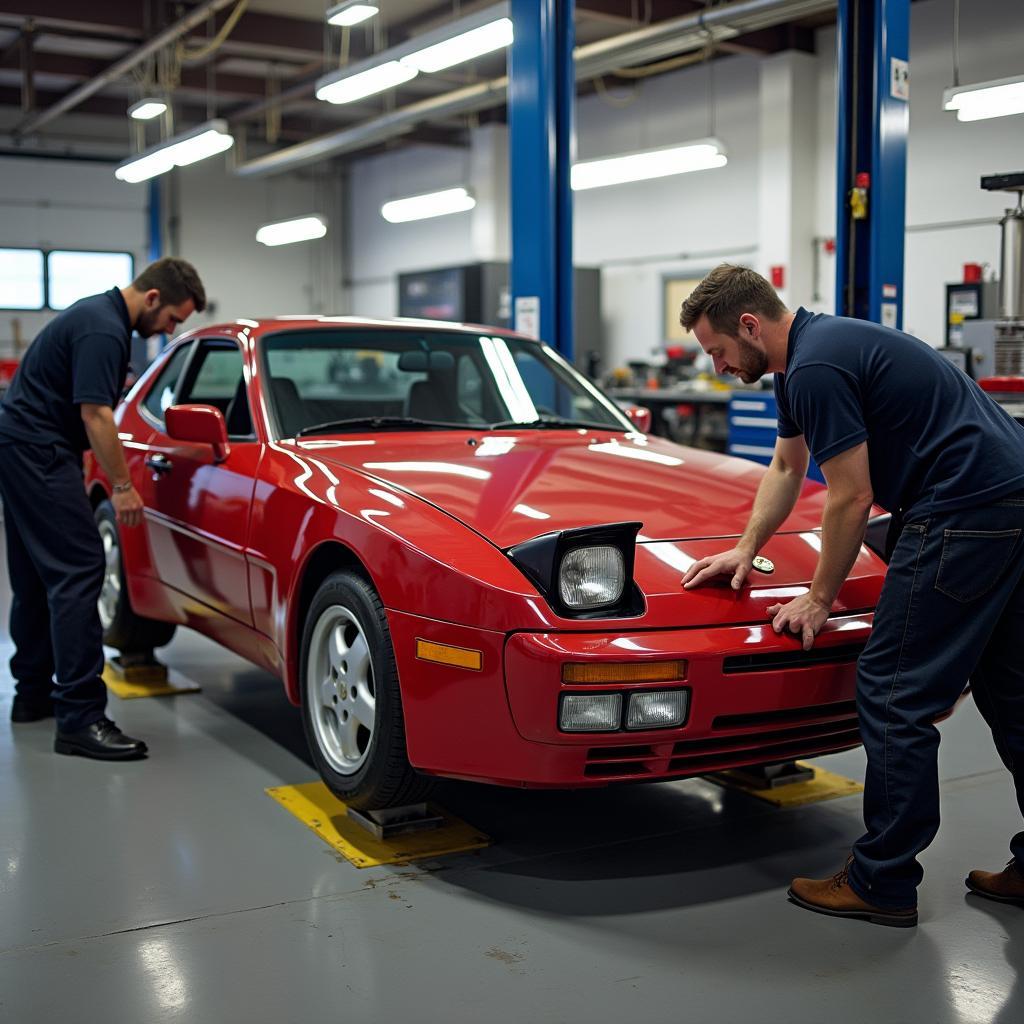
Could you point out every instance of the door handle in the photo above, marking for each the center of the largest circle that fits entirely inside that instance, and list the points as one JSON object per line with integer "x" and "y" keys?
{"x": 159, "y": 464}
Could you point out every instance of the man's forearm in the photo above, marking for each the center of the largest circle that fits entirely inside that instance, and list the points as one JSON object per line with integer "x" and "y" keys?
{"x": 842, "y": 533}
{"x": 775, "y": 499}
{"x": 101, "y": 430}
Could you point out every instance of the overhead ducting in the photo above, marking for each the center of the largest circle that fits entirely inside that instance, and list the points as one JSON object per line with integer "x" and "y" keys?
{"x": 653, "y": 42}
{"x": 120, "y": 68}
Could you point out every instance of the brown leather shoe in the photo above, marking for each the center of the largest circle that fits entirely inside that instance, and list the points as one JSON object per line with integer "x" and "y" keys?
{"x": 1007, "y": 885}
{"x": 834, "y": 896}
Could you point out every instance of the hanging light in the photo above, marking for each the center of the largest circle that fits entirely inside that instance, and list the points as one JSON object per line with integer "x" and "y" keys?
{"x": 472, "y": 36}
{"x": 147, "y": 108}
{"x": 345, "y": 86}
{"x": 998, "y": 98}
{"x": 178, "y": 151}
{"x": 298, "y": 229}
{"x": 466, "y": 45}
{"x": 652, "y": 163}
{"x": 350, "y": 13}
{"x": 431, "y": 204}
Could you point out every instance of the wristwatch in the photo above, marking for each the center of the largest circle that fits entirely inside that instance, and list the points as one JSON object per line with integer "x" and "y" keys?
{"x": 123, "y": 488}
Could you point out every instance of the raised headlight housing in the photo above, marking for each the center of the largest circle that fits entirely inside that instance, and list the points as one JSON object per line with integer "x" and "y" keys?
{"x": 586, "y": 572}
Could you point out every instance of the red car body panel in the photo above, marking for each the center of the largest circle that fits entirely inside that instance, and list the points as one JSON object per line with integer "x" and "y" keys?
{"x": 226, "y": 547}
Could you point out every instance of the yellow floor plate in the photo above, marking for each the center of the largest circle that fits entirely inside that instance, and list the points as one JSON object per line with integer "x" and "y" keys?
{"x": 824, "y": 786}
{"x": 319, "y": 809}
{"x": 151, "y": 682}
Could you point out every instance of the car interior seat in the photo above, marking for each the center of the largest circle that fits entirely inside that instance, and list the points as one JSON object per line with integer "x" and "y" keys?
{"x": 291, "y": 413}
{"x": 237, "y": 417}
{"x": 434, "y": 399}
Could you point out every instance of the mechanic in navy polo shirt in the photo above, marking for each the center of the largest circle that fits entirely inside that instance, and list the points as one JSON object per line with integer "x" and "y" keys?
{"x": 889, "y": 421}
{"x": 60, "y": 403}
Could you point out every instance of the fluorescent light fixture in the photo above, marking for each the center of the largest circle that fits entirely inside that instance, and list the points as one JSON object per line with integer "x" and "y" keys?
{"x": 653, "y": 163}
{"x": 462, "y": 47}
{"x": 432, "y": 204}
{"x": 146, "y": 109}
{"x": 345, "y": 87}
{"x": 997, "y": 98}
{"x": 180, "y": 150}
{"x": 349, "y": 13}
{"x": 298, "y": 229}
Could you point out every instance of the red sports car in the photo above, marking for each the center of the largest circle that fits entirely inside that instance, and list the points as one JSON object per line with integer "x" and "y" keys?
{"x": 464, "y": 560}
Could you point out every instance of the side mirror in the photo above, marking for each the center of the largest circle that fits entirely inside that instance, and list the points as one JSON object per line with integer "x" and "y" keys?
{"x": 639, "y": 416}
{"x": 200, "y": 424}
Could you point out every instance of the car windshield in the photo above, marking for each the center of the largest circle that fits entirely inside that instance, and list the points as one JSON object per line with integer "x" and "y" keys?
{"x": 331, "y": 380}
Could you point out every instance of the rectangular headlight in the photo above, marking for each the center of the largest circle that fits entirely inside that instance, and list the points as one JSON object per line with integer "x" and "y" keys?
{"x": 592, "y": 577}
{"x": 656, "y": 710}
{"x": 585, "y": 712}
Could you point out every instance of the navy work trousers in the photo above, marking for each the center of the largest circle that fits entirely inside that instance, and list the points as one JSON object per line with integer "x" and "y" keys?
{"x": 56, "y": 564}
{"x": 951, "y": 611}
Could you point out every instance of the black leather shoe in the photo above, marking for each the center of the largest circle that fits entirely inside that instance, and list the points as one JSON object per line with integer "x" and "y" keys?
{"x": 101, "y": 740}
{"x": 25, "y": 710}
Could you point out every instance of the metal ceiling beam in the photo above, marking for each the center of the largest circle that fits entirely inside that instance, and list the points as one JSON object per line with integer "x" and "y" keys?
{"x": 120, "y": 67}
{"x": 653, "y": 42}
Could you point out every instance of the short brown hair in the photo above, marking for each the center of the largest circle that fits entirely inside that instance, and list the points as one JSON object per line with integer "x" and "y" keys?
{"x": 175, "y": 279}
{"x": 726, "y": 294}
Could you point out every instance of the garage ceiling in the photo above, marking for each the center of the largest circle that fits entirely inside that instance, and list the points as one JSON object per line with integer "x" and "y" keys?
{"x": 262, "y": 77}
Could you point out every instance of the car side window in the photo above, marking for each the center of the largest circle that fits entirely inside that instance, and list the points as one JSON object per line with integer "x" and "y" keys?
{"x": 161, "y": 392}
{"x": 216, "y": 378}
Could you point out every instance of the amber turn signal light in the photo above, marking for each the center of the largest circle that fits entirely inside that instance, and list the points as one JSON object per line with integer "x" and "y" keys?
{"x": 604, "y": 672}
{"x": 445, "y": 654}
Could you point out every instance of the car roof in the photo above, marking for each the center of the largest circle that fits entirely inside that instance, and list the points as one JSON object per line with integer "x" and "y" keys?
{"x": 312, "y": 321}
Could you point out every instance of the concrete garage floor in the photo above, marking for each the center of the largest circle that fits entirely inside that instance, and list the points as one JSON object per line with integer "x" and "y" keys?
{"x": 175, "y": 890}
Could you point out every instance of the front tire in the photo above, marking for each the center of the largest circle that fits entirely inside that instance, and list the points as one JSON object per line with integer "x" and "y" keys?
{"x": 351, "y": 702}
{"x": 122, "y": 627}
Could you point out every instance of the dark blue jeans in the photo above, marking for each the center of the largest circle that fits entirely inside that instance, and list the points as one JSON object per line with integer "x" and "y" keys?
{"x": 951, "y": 611}
{"x": 56, "y": 564}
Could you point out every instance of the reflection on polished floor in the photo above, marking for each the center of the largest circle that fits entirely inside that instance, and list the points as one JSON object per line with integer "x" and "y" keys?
{"x": 174, "y": 889}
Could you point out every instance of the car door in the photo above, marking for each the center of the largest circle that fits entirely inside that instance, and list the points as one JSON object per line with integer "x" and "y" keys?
{"x": 197, "y": 510}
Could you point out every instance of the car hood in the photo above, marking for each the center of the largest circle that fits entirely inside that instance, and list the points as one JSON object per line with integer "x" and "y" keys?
{"x": 510, "y": 487}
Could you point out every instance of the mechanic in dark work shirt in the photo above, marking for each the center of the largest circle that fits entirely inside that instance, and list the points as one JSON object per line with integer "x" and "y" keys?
{"x": 61, "y": 402}
{"x": 891, "y": 422}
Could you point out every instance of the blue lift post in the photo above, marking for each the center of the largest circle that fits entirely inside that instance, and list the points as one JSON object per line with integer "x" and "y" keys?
{"x": 541, "y": 99}
{"x": 873, "y": 45}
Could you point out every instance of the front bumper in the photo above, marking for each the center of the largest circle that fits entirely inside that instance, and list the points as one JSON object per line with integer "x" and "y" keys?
{"x": 754, "y": 697}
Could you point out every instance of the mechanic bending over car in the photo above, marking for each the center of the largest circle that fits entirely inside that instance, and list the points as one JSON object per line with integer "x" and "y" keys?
{"x": 889, "y": 421}
{"x": 60, "y": 403}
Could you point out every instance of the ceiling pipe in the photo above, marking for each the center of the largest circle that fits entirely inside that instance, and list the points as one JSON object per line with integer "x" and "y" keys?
{"x": 121, "y": 67}
{"x": 653, "y": 42}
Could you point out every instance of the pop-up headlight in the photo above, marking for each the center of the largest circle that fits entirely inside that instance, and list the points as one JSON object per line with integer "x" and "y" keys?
{"x": 584, "y": 573}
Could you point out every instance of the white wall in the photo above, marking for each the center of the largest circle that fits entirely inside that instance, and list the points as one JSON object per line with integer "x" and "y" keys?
{"x": 58, "y": 204}
{"x": 641, "y": 232}
{"x": 219, "y": 215}
{"x": 950, "y": 220}
{"x": 75, "y": 204}
{"x": 379, "y": 251}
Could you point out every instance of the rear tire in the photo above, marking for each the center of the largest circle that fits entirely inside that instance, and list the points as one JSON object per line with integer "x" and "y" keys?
{"x": 351, "y": 702}
{"x": 122, "y": 627}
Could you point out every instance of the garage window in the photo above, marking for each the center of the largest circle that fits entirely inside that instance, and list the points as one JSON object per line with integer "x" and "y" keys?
{"x": 72, "y": 275}
{"x": 21, "y": 279}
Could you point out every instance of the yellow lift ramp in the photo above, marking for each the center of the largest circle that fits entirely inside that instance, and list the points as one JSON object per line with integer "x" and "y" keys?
{"x": 792, "y": 784}
{"x": 366, "y": 840}
{"x": 142, "y": 677}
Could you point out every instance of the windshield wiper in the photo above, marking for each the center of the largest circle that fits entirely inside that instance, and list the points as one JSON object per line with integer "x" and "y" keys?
{"x": 554, "y": 423}
{"x": 381, "y": 423}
